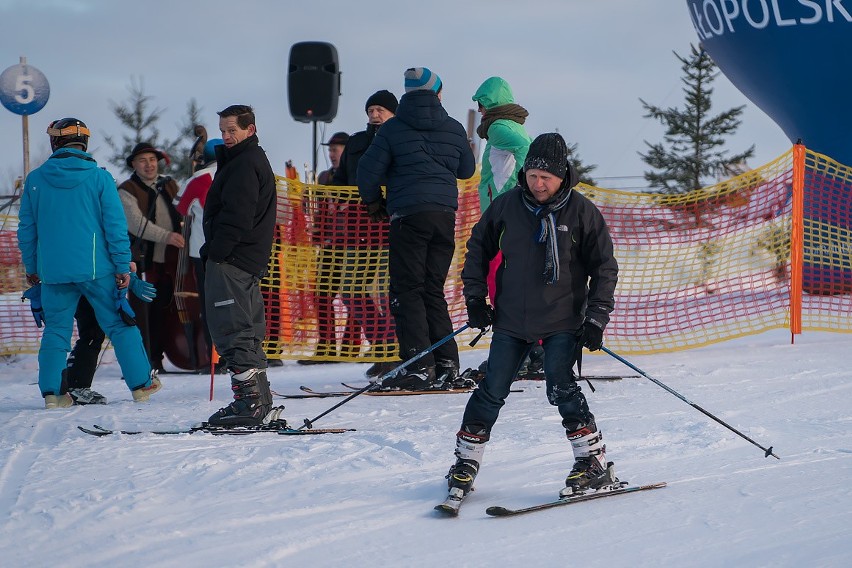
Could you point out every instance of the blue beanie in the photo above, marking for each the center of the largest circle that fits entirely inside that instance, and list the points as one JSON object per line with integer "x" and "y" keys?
{"x": 210, "y": 149}
{"x": 417, "y": 78}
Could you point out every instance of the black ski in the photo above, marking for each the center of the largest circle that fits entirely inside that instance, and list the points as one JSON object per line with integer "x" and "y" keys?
{"x": 407, "y": 392}
{"x": 539, "y": 376}
{"x": 306, "y": 394}
{"x": 504, "y": 512}
{"x": 99, "y": 431}
{"x": 292, "y": 432}
{"x": 310, "y": 393}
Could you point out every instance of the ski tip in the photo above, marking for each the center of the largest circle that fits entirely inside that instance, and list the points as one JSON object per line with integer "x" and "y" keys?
{"x": 497, "y": 511}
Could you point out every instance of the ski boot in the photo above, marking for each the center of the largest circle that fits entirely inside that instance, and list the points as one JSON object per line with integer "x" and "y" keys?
{"x": 86, "y": 396}
{"x": 470, "y": 447}
{"x": 533, "y": 367}
{"x": 143, "y": 393}
{"x": 52, "y": 401}
{"x": 447, "y": 374}
{"x": 412, "y": 380}
{"x": 591, "y": 471}
{"x": 252, "y": 400}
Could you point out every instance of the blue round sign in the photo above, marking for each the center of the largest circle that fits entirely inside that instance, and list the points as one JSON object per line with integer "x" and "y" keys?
{"x": 23, "y": 89}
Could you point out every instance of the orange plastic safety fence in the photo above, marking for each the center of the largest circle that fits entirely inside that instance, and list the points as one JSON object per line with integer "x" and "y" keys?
{"x": 695, "y": 269}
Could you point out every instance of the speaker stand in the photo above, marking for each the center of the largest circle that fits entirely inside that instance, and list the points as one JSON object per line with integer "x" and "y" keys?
{"x": 314, "y": 150}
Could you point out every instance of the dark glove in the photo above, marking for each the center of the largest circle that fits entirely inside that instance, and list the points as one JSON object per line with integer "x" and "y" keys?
{"x": 377, "y": 212}
{"x": 591, "y": 335}
{"x": 122, "y": 306}
{"x": 33, "y": 294}
{"x": 145, "y": 291}
{"x": 479, "y": 314}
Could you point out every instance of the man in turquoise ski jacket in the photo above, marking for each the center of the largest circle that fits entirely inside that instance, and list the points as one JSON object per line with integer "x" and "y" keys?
{"x": 72, "y": 234}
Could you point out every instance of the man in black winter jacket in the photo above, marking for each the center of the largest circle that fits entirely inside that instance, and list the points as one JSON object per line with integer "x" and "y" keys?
{"x": 420, "y": 153}
{"x": 556, "y": 284}
{"x": 239, "y": 222}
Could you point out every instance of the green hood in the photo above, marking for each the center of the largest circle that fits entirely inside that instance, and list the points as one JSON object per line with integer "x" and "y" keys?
{"x": 494, "y": 91}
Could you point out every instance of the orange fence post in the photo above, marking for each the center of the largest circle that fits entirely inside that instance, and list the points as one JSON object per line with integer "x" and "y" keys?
{"x": 214, "y": 359}
{"x": 797, "y": 241}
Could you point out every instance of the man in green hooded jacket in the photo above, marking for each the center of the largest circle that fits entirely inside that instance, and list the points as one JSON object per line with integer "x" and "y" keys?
{"x": 507, "y": 141}
{"x": 506, "y": 145}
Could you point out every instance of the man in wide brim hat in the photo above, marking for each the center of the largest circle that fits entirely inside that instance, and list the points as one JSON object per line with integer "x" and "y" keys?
{"x": 142, "y": 148}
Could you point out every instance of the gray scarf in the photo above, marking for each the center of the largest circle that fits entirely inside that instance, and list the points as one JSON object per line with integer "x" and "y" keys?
{"x": 547, "y": 231}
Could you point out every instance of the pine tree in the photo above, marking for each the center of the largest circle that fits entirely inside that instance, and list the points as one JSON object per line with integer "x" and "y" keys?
{"x": 181, "y": 156}
{"x": 583, "y": 170}
{"x": 142, "y": 120}
{"x": 692, "y": 152}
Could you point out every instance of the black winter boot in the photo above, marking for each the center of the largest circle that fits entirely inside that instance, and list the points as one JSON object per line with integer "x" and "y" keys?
{"x": 252, "y": 400}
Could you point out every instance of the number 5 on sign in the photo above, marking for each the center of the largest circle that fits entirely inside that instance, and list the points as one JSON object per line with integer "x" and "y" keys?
{"x": 23, "y": 84}
{"x": 24, "y": 89}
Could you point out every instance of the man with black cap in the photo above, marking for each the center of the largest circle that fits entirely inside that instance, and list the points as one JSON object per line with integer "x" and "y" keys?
{"x": 154, "y": 225}
{"x": 361, "y": 265}
{"x": 419, "y": 156}
{"x": 556, "y": 284}
{"x": 380, "y": 106}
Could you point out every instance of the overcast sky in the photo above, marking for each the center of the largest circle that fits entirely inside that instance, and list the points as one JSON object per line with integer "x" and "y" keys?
{"x": 578, "y": 66}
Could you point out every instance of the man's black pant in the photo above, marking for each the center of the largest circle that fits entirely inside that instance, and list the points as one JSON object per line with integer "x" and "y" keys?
{"x": 235, "y": 315}
{"x": 421, "y": 250}
{"x": 83, "y": 360}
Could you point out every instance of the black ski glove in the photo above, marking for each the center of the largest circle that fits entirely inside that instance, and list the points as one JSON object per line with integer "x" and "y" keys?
{"x": 479, "y": 314}
{"x": 377, "y": 212}
{"x": 591, "y": 335}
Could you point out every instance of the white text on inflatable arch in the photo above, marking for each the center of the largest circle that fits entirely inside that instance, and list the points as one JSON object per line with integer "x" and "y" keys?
{"x": 716, "y": 17}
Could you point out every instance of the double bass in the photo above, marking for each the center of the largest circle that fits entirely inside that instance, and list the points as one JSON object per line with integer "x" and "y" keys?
{"x": 186, "y": 345}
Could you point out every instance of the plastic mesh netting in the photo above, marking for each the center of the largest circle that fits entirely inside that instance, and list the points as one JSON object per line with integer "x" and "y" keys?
{"x": 695, "y": 269}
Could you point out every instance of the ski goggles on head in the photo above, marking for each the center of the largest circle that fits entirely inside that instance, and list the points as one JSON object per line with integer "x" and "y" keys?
{"x": 74, "y": 129}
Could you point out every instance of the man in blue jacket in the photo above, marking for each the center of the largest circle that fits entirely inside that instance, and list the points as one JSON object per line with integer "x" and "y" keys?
{"x": 421, "y": 153}
{"x": 73, "y": 239}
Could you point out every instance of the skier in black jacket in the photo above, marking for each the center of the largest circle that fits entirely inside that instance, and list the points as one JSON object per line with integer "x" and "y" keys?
{"x": 556, "y": 283}
{"x": 421, "y": 153}
{"x": 239, "y": 222}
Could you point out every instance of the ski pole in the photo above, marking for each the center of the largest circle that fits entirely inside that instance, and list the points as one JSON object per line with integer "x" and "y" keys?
{"x": 768, "y": 451}
{"x": 310, "y": 423}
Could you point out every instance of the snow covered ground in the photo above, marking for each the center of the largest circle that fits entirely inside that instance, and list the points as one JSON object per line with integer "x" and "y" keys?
{"x": 365, "y": 498}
